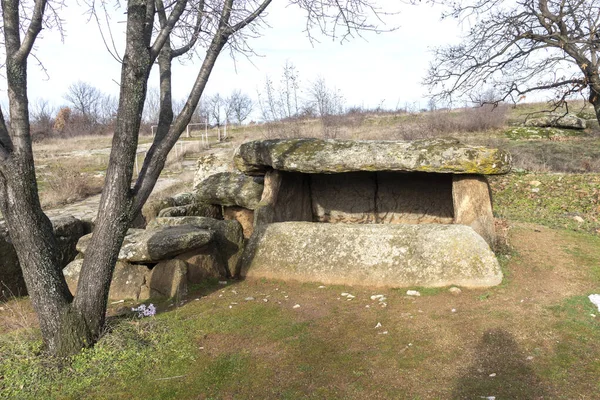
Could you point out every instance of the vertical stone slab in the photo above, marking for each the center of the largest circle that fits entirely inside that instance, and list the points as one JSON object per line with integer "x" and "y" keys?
{"x": 294, "y": 201}
{"x": 473, "y": 205}
{"x": 414, "y": 198}
{"x": 344, "y": 198}
{"x": 265, "y": 210}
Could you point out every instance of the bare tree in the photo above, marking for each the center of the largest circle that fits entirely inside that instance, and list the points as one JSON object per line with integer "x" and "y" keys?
{"x": 151, "y": 106}
{"x": 325, "y": 100}
{"x": 42, "y": 119}
{"x": 240, "y": 106}
{"x": 86, "y": 100}
{"x": 155, "y": 31}
{"x": 519, "y": 47}
{"x": 216, "y": 107}
{"x": 290, "y": 86}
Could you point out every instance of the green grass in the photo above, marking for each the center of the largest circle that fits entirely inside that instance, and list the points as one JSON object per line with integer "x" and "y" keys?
{"x": 554, "y": 200}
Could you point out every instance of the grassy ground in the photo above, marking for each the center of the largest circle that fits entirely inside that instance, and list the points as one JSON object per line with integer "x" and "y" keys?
{"x": 534, "y": 336}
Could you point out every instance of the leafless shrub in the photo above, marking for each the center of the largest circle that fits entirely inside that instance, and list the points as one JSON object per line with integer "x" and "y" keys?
{"x": 66, "y": 185}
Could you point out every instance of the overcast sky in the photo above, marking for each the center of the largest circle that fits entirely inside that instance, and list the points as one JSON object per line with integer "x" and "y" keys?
{"x": 379, "y": 69}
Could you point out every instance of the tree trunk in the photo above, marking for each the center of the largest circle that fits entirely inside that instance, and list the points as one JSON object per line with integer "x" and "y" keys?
{"x": 595, "y": 99}
{"x": 114, "y": 213}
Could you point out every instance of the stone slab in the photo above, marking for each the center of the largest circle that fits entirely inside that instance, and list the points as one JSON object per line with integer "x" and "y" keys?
{"x": 334, "y": 156}
{"x": 157, "y": 244}
{"x": 428, "y": 255}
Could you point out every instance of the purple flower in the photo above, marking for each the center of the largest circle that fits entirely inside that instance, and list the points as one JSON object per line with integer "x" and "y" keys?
{"x": 143, "y": 311}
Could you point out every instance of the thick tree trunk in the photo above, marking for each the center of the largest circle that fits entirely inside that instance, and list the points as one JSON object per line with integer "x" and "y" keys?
{"x": 114, "y": 213}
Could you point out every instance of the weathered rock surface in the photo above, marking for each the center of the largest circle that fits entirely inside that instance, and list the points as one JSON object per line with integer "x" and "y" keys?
{"x": 152, "y": 245}
{"x": 152, "y": 208}
{"x": 67, "y": 231}
{"x": 169, "y": 279}
{"x": 192, "y": 210}
{"x": 203, "y": 263}
{"x": 127, "y": 281}
{"x": 230, "y": 189}
{"x": 570, "y": 121}
{"x": 473, "y": 205}
{"x": 242, "y": 215}
{"x": 211, "y": 164}
{"x": 229, "y": 236}
{"x": 335, "y": 156}
{"x": 427, "y": 255}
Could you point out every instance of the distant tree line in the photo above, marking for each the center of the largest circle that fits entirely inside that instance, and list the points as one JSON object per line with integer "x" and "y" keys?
{"x": 89, "y": 111}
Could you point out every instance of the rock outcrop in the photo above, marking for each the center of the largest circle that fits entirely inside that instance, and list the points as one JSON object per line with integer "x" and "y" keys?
{"x": 313, "y": 156}
{"x": 555, "y": 120}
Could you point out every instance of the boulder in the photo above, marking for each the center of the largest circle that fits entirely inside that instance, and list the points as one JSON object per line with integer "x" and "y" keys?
{"x": 127, "y": 281}
{"x": 210, "y": 164}
{"x": 157, "y": 244}
{"x": 183, "y": 199}
{"x": 192, "y": 210}
{"x": 556, "y": 120}
{"x": 67, "y": 231}
{"x": 229, "y": 236}
{"x": 11, "y": 277}
{"x": 203, "y": 263}
{"x": 71, "y": 273}
{"x": 242, "y": 215}
{"x": 153, "y": 207}
{"x": 334, "y": 156}
{"x": 168, "y": 279}
{"x": 428, "y": 255}
{"x": 230, "y": 189}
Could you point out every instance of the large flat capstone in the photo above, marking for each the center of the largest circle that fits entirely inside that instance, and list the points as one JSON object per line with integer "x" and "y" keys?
{"x": 429, "y": 255}
{"x": 334, "y": 156}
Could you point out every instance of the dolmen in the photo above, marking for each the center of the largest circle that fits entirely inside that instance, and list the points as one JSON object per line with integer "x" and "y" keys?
{"x": 380, "y": 213}
{"x": 377, "y": 213}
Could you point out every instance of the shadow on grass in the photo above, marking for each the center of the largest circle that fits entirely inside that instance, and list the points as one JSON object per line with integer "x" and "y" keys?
{"x": 498, "y": 353}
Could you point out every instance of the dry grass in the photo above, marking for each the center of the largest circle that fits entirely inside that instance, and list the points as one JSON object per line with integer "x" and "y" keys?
{"x": 64, "y": 185}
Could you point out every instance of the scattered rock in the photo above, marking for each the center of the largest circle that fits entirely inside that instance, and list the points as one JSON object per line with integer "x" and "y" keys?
{"x": 455, "y": 290}
{"x": 579, "y": 219}
{"x": 595, "y": 299}
{"x": 249, "y": 298}
{"x": 413, "y": 293}
{"x": 535, "y": 183}
{"x": 378, "y": 325}
{"x": 296, "y": 306}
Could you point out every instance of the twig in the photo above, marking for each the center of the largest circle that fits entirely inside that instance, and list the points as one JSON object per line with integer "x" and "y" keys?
{"x": 170, "y": 377}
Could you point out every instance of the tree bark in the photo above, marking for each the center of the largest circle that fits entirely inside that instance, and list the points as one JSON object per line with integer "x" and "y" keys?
{"x": 114, "y": 213}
